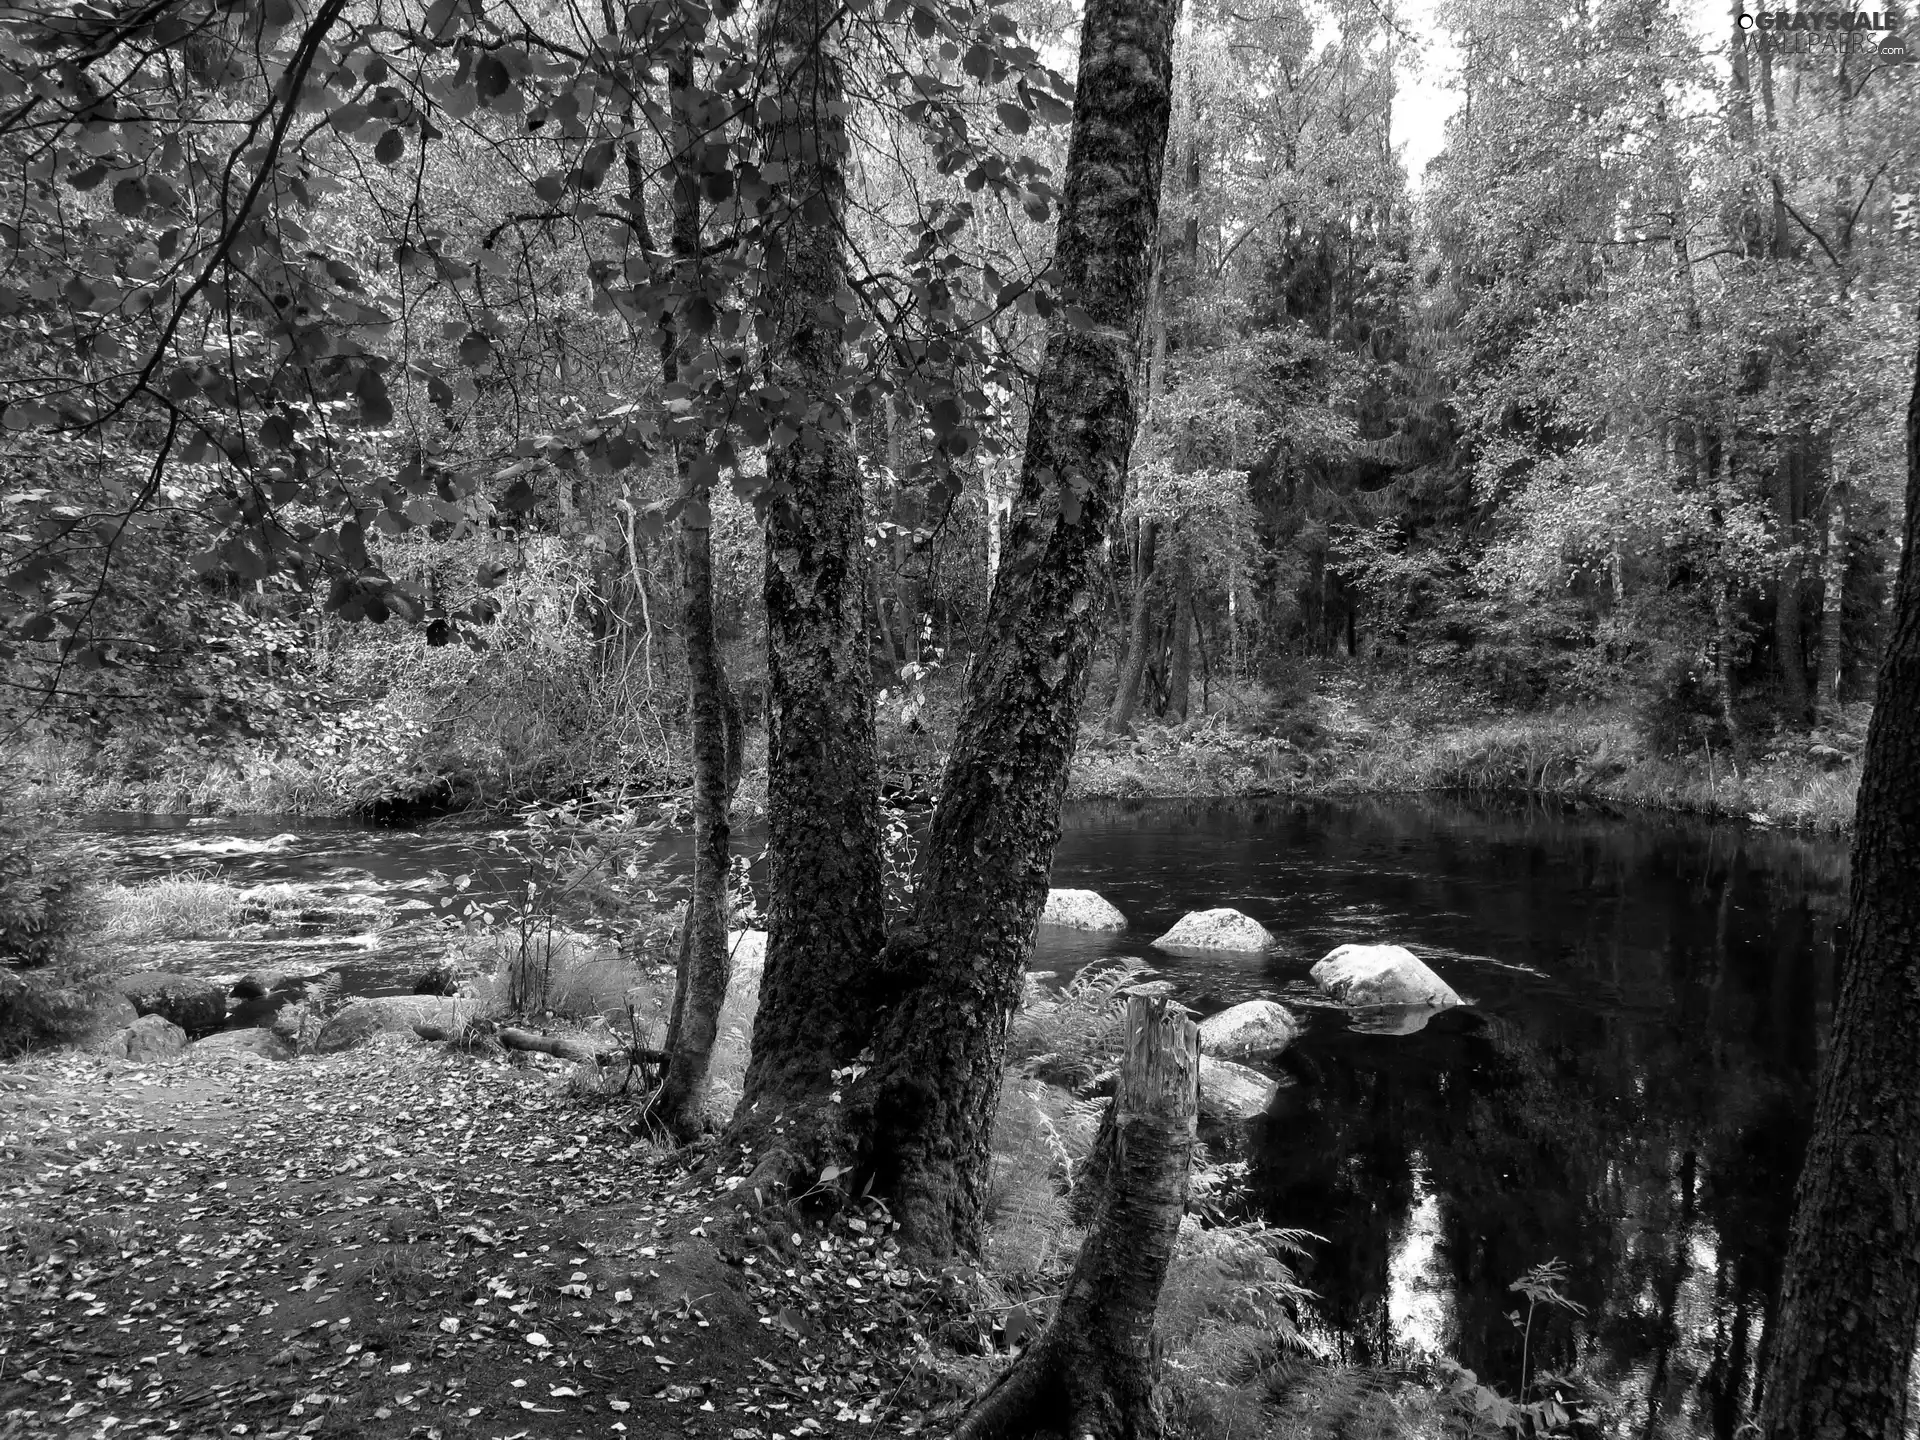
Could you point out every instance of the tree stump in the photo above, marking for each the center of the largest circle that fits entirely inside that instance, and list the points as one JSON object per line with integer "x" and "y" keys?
{"x": 1091, "y": 1374}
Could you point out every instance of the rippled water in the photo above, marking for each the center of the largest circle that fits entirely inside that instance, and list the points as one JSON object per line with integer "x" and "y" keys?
{"x": 1628, "y": 1089}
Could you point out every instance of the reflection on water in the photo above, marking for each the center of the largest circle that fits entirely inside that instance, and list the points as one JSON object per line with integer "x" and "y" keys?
{"x": 1627, "y": 1091}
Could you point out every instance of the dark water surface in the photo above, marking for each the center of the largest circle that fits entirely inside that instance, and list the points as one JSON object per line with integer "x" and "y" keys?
{"x": 1628, "y": 1089}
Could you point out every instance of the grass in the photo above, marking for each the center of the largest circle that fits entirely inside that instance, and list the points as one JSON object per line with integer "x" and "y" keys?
{"x": 194, "y": 906}
{"x": 1356, "y": 733}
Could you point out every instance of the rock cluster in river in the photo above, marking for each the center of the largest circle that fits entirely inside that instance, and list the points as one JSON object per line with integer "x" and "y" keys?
{"x": 199, "y": 1007}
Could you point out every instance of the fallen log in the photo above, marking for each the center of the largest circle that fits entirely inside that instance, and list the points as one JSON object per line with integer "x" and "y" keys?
{"x": 566, "y": 1047}
{"x": 1091, "y": 1372}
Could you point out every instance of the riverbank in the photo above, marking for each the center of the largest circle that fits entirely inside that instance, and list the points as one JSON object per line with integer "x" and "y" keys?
{"x": 1346, "y": 733}
{"x": 409, "y": 1240}
{"x": 1346, "y": 739}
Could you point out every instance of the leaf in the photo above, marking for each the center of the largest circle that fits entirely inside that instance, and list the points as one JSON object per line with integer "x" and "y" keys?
{"x": 476, "y": 350}
{"x": 390, "y": 147}
{"x": 1014, "y": 117}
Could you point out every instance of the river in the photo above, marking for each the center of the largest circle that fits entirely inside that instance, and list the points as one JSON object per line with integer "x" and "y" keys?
{"x": 1627, "y": 1091}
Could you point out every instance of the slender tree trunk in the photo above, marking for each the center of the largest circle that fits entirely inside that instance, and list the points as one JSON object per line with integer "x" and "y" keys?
{"x": 1833, "y": 583}
{"x": 705, "y": 965}
{"x": 1851, "y": 1294}
{"x": 1180, "y": 662}
{"x": 1126, "y": 693}
{"x": 935, "y": 1084}
{"x": 823, "y": 817}
{"x": 1789, "y": 647}
{"x": 1091, "y": 1374}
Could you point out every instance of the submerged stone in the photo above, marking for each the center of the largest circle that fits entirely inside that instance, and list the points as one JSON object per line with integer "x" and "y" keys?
{"x": 1257, "y": 1027}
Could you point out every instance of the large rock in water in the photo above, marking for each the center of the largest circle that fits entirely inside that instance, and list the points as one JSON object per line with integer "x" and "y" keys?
{"x": 1382, "y": 975}
{"x": 197, "y": 1006}
{"x": 1222, "y": 929}
{"x": 1233, "y": 1094}
{"x": 244, "y": 1044}
{"x": 361, "y": 1020}
{"x": 1258, "y": 1027}
{"x": 1081, "y": 910}
{"x": 150, "y": 1038}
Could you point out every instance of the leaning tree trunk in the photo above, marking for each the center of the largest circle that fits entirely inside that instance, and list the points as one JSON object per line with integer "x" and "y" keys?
{"x": 1091, "y": 1374}
{"x": 1851, "y": 1294}
{"x": 929, "y": 1101}
{"x": 823, "y": 809}
{"x": 1133, "y": 668}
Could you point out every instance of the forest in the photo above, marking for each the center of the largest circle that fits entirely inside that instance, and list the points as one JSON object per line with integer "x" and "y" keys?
{"x": 720, "y": 511}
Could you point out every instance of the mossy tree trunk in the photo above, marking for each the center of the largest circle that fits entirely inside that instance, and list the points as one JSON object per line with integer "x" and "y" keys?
{"x": 824, "y": 913}
{"x": 1850, "y": 1300}
{"x": 1091, "y": 1374}
{"x": 928, "y": 1105}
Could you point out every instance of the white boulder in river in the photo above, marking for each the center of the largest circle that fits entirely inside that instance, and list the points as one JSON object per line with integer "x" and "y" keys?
{"x": 1381, "y": 975}
{"x": 1258, "y": 1027}
{"x": 1230, "y": 1092}
{"x": 1081, "y": 910}
{"x": 1221, "y": 929}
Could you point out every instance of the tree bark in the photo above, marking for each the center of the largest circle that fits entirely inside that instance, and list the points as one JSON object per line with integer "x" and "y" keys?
{"x": 704, "y": 964}
{"x": 928, "y": 1105}
{"x": 1851, "y": 1294}
{"x": 823, "y": 817}
{"x": 1091, "y": 1373}
{"x": 1133, "y": 666}
{"x": 1180, "y": 663}
{"x": 1789, "y": 647}
{"x": 1833, "y": 585}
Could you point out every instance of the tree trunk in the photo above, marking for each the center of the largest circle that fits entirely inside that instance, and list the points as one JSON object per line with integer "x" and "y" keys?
{"x": 823, "y": 817}
{"x": 1789, "y": 648}
{"x": 1180, "y": 662}
{"x": 1126, "y": 693}
{"x": 704, "y": 965}
{"x": 931, "y": 1097}
{"x": 1091, "y": 1373}
{"x": 1833, "y": 585}
{"x": 1851, "y": 1293}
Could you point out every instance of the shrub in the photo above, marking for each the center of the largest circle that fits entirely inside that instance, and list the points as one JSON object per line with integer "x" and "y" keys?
{"x": 50, "y": 983}
{"x": 48, "y": 898}
{"x": 1681, "y": 711}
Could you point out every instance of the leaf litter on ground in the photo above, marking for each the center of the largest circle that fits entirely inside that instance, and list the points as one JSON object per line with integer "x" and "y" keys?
{"x": 405, "y": 1242}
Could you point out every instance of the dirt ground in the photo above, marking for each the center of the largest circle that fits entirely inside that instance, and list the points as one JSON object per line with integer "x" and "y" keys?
{"x": 401, "y": 1242}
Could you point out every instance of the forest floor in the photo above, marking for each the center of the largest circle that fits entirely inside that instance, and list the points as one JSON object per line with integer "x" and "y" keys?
{"x": 414, "y": 1245}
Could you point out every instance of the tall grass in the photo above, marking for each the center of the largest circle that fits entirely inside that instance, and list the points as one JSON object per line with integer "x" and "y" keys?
{"x": 194, "y": 906}
{"x": 1598, "y": 758}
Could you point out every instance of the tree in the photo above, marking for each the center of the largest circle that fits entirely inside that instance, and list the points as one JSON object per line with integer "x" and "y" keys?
{"x": 1850, "y": 1300}
{"x": 929, "y": 1099}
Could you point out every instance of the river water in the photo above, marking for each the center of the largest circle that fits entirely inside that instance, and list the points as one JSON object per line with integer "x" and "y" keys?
{"x": 1627, "y": 1090}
